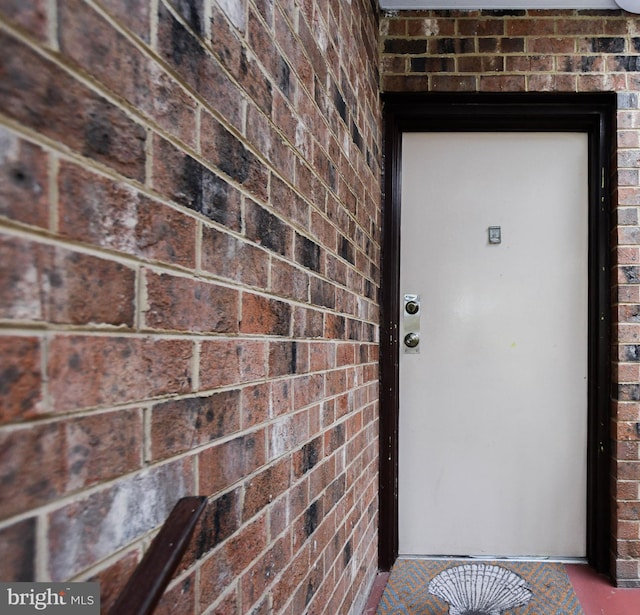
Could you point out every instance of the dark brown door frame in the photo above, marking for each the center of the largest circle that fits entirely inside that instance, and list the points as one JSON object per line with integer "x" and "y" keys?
{"x": 589, "y": 113}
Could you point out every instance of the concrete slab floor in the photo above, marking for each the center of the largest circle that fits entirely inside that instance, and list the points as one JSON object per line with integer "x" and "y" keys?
{"x": 599, "y": 597}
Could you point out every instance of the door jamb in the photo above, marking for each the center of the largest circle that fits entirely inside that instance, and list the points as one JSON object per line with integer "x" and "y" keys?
{"x": 590, "y": 113}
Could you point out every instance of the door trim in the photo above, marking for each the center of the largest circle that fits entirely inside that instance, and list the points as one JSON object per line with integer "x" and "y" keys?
{"x": 589, "y": 113}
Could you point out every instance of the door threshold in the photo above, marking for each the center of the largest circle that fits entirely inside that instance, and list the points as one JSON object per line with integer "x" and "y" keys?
{"x": 499, "y": 558}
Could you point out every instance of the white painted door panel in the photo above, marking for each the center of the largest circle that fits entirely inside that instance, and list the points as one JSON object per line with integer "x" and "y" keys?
{"x": 493, "y": 410}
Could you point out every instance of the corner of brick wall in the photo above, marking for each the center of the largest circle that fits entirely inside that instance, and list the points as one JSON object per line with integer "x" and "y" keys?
{"x": 189, "y": 256}
{"x": 555, "y": 51}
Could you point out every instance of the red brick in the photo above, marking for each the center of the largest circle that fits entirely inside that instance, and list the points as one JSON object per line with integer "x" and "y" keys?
{"x": 94, "y": 45}
{"x": 220, "y": 520}
{"x": 188, "y": 182}
{"x": 529, "y": 64}
{"x": 502, "y": 83}
{"x": 334, "y": 438}
{"x": 481, "y": 27}
{"x": 579, "y": 64}
{"x": 113, "y": 578}
{"x": 287, "y": 433}
{"x": 626, "y": 490}
{"x": 629, "y": 548}
{"x": 183, "y": 304}
{"x": 230, "y": 560}
{"x": 197, "y": 67}
{"x": 287, "y": 358}
{"x": 223, "y": 465}
{"x": 346, "y": 302}
{"x": 336, "y": 382}
{"x": 289, "y": 281}
{"x": 627, "y": 333}
{"x": 78, "y": 453}
{"x": 307, "y": 589}
{"x": 101, "y": 446}
{"x": 262, "y": 134}
{"x": 40, "y": 282}
{"x": 24, "y": 190}
{"x": 228, "y": 605}
{"x": 262, "y": 573}
{"x": 41, "y": 98}
{"x": 322, "y": 293}
{"x": 629, "y": 256}
{"x": 627, "y": 450}
{"x": 322, "y": 356}
{"x": 265, "y": 315}
{"x": 334, "y": 326}
{"x": 530, "y": 27}
{"x": 87, "y": 371}
{"x": 23, "y": 455}
{"x": 133, "y": 15}
{"x": 585, "y": 27}
{"x": 552, "y": 83}
{"x": 286, "y": 120}
{"x": 287, "y": 203}
{"x": 181, "y": 425}
{"x": 181, "y": 598}
{"x": 256, "y": 407}
{"x": 627, "y": 470}
{"x": 193, "y": 14}
{"x": 337, "y": 270}
{"x": 227, "y": 45}
{"x": 291, "y": 578}
{"x": 292, "y": 49}
{"x": 601, "y": 83}
{"x": 298, "y": 500}
{"x": 278, "y": 517}
{"x": 554, "y": 45}
{"x": 223, "y": 150}
{"x": 307, "y": 390}
{"x": 228, "y": 362}
{"x": 20, "y": 378}
{"x": 446, "y": 83}
{"x": 626, "y": 569}
{"x": 309, "y": 184}
{"x": 311, "y": 48}
{"x": 308, "y": 323}
{"x": 18, "y": 552}
{"x": 30, "y": 15}
{"x": 267, "y": 229}
{"x": 345, "y": 354}
{"x": 260, "y": 40}
{"x": 308, "y": 457}
{"x": 86, "y": 531}
{"x": 265, "y": 487}
{"x": 281, "y": 402}
{"x": 226, "y": 256}
{"x": 94, "y": 209}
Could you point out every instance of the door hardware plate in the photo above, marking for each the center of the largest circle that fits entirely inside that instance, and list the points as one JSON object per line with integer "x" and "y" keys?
{"x": 411, "y": 323}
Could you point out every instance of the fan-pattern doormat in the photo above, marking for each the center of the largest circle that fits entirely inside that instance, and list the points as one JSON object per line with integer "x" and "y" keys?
{"x": 407, "y": 590}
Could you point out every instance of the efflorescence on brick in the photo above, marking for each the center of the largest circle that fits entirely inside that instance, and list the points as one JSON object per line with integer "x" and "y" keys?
{"x": 190, "y": 254}
{"x": 554, "y": 51}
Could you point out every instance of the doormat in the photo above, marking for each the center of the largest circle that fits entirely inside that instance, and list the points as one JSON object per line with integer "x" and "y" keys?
{"x": 407, "y": 591}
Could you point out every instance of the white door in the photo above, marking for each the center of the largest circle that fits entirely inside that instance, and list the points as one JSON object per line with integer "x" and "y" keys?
{"x": 493, "y": 407}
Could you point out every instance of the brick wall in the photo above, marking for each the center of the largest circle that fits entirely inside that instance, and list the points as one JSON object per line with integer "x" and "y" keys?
{"x": 189, "y": 256}
{"x": 555, "y": 51}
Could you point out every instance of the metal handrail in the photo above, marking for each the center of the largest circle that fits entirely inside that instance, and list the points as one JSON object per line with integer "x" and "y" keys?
{"x": 144, "y": 589}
